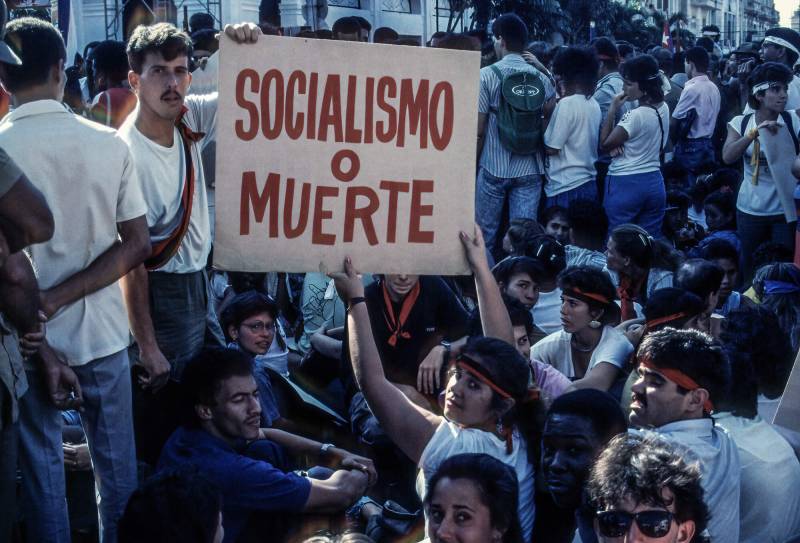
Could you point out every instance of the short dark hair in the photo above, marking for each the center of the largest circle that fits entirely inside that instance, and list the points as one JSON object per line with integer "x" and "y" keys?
{"x": 767, "y": 72}
{"x": 634, "y": 242}
{"x": 201, "y": 21}
{"x": 519, "y": 314}
{"x": 588, "y": 219}
{"x": 699, "y": 57}
{"x": 665, "y": 302}
{"x": 638, "y": 468}
{"x": 497, "y": 487}
{"x": 507, "y": 268}
{"x": 664, "y": 57}
{"x": 606, "y": 52}
{"x": 522, "y": 232}
{"x": 39, "y": 46}
{"x": 346, "y": 25}
{"x": 679, "y": 199}
{"x": 577, "y": 65}
{"x": 693, "y": 353}
{"x": 245, "y": 305}
{"x": 644, "y": 71}
{"x": 174, "y": 505}
{"x": 552, "y": 212}
{"x": 699, "y": 276}
{"x": 718, "y": 249}
{"x": 600, "y": 408}
{"x": 161, "y": 38}
{"x": 204, "y": 374}
{"x": 770, "y": 252}
{"x": 205, "y": 40}
{"x": 725, "y": 201}
{"x": 511, "y": 28}
{"x": 589, "y": 279}
{"x": 385, "y": 34}
{"x": 363, "y": 23}
{"x": 111, "y": 60}
{"x": 705, "y": 43}
{"x": 547, "y": 250}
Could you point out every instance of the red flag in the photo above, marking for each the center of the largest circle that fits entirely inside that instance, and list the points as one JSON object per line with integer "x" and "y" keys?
{"x": 666, "y": 39}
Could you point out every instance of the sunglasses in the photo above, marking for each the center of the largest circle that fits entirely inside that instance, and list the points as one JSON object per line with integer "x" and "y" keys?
{"x": 651, "y": 523}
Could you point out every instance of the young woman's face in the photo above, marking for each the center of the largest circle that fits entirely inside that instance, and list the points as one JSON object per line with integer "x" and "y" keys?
{"x": 575, "y": 314}
{"x": 458, "y": 514}
{"x": 631, "y": 89}
{"x": 467, "y": 401}
{"x": 255, "y": 333}
{"x": 522, "y": 287}
{"x": 774, "y": 98}
{"x": 715, "y": 218}
{"x": 614, "y": 259}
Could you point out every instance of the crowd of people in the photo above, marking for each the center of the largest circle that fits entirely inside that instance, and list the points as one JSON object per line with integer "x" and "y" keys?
{"x": 609, "y": 371}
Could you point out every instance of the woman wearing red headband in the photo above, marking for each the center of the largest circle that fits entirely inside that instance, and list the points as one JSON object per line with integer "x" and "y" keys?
{"x": 486, "y": 386}
{"x": 588, "y": 350}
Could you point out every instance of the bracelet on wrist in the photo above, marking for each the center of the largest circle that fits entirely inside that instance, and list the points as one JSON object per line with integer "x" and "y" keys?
{"x": 354, "y": 301}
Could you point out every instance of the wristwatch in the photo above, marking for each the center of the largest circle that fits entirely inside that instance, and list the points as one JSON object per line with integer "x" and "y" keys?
{"x": 323, "y": 450}
{"x": 447, "y": 349}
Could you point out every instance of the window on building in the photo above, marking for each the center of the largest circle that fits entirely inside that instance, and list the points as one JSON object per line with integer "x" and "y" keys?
{"x": 396, "y": 6}
{"x": 355, "y": 4}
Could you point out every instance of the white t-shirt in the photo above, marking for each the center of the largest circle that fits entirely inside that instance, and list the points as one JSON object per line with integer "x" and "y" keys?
{"x": 162, "y": 173}
{"x": 86, "y": 173}
{"x": 451, "y": 439}
{"x": 614, "y": 348}
{"x": 547, "y": 311}
{"x": 573, "y": 130}
{"x": 646, "y": 138}
{"x": 761, "y": 199}
{"x": 770, "y": 501}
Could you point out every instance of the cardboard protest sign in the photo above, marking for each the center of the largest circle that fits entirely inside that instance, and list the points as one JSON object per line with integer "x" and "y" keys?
{"x": 327, "y": 149}
{"x": 788, "y": 414}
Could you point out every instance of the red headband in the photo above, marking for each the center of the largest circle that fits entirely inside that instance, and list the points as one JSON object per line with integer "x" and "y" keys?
{"x": 591, "y": 295}
{"x": 679, "y": 378}
{"x": 668, "y": 318}
{"x": 466, "y": 364}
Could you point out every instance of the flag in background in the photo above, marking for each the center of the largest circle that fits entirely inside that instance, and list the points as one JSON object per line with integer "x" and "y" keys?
{"x": 666, "y": 38}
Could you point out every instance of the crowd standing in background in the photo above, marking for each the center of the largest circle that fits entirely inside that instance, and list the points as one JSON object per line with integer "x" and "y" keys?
{"x": 609, "y": 372}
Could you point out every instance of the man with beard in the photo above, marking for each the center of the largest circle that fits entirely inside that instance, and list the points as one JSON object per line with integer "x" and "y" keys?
{"x": 681, "y": 374}
{"x": 578, "y": 426}
{"x": 166, "y": 135}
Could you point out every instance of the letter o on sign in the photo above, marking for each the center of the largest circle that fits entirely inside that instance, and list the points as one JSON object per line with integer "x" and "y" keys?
{"x": 336, "y": 165}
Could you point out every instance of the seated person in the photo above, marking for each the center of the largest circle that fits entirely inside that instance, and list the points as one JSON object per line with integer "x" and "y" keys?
{"x": 645, "y": 491}
{"x": 550, "y": 254}
{"x": 638, "y": 265}
{"x": 681, "y": 233}
{"x": 589, "y": 350}
{"x": 682, "y": 373}
{"x": 488, "y": 407}
{"x": 555, "y": 221}
{"x": 223, "y": 439}
{"x": 520, "y": 235}
{"x": 588, "y": 231}
{"x": 720, "y": 214}
{"x": 778, "y": 287}
{"x": 518, "y": 277}
{"x": 578, "y": 426}
{"x": 672, "y": 306}
{"x": 704, "y": 279}
{"x": 178, "y": 506}
{"x": 724, "y": 254}
{"x": 478, "y": 489}
{"x": 769, "y": 465}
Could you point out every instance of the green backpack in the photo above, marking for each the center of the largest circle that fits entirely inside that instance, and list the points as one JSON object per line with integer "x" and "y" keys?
{"x": 519, "y": 112}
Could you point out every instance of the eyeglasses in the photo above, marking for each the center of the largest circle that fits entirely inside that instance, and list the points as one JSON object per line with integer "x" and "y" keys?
{"x": 654, "y": 523}
{"x": 259, "y": 326}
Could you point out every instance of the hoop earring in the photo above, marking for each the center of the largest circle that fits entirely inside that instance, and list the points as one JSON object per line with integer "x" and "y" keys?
{"x": 595, "y": 324}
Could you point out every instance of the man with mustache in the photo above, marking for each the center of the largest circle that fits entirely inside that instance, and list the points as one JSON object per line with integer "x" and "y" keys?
{"x": 166, "y": 134}
{"x": 681, "y": 374}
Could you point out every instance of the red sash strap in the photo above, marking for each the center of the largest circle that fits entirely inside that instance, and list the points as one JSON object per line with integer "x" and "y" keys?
{"x": 397, "y": 325}
{"x": 627, "y": 291}
{"x": 165, "y": 249}
{"x": 679, "y": 378}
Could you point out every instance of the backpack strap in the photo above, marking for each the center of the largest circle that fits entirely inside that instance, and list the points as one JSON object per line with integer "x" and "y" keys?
{"x": 661, "y": 127}
{"x": 743, "y": 127}
{"x": 499, "y": 75}
{"x": 787, "y": 118}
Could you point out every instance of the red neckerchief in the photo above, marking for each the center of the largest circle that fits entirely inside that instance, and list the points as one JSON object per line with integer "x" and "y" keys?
{"x": 628, "y": 291}
{"x": 397, "y": 325}
{"x": 165, "y": 249}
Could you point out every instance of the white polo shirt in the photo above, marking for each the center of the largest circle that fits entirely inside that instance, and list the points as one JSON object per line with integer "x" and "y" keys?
{"x": 162, "y": 171}
{"x": 86, "y": 174}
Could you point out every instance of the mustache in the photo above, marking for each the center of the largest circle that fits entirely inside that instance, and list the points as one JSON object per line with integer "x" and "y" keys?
{"x": 639, "y": 398}
{"x": 171, "y": 94}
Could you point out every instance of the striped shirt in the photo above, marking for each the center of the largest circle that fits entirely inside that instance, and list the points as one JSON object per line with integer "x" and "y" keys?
{"x": 496, "y": 159}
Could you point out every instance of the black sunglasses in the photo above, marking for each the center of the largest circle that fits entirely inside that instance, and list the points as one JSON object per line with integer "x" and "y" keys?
{"x": 651, "y": 523}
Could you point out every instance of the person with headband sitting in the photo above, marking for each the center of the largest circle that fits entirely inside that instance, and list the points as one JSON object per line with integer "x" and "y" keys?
{"x": 682, "y": 373}
{"x": 638, "y": 265}
{"x": 588, "y": 350}
{"x": 634, "y": 187}
{"x": 765, "y": 207}
{"x": 488, "y": 407}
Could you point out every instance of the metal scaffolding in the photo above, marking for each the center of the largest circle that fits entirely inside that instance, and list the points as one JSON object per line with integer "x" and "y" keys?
{"x": 160, "y": 9}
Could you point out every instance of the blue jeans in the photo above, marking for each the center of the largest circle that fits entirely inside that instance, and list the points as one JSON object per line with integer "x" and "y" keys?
{"x": 638, "y": 198}
{"x": 587, "y": 191}
{"x": 693, "y": 154}
{"x": 107, "y": 422}
{"x": 522, "y": 193}
{"x": 754, "y": 230}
